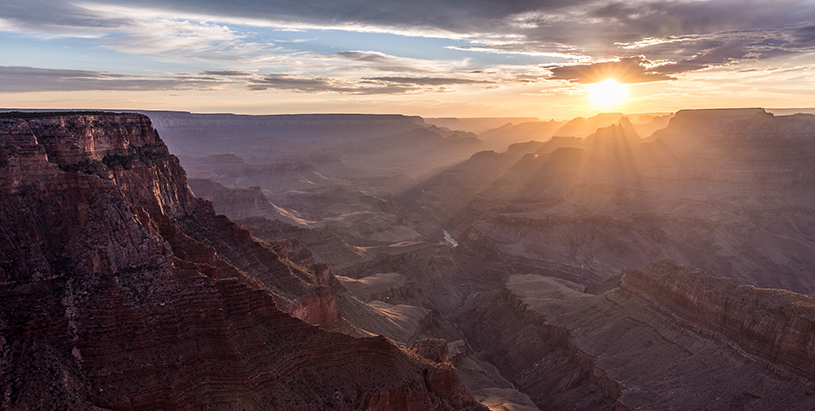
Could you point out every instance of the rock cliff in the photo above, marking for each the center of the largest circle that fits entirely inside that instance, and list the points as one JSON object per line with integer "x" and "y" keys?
{"x": 669, "y": 338}
{"x": 727, "y": 191}
{"x": 120, "y": 290}
{"x": 773, "y": 327}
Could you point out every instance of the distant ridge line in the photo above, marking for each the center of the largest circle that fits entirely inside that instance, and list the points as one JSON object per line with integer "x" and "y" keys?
{"x": 44, "y": 113}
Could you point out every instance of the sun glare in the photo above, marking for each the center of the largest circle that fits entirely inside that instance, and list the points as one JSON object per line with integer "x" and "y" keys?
{"x": 608, "y": 93}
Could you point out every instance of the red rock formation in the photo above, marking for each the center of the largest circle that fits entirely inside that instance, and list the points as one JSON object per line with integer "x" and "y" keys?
{"x": 120, "y": 290}
{"x": 669, "y": 338}
{"x": 236, "y": 203}
{"x": 434, "y": 349}
{"x": 773, "y": 327}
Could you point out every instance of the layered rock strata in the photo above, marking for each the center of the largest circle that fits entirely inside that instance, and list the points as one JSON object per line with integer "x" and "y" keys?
{"x": 669, "y": 338}
{"x": 120, "y": 290}
{"x": 775, "y": 328}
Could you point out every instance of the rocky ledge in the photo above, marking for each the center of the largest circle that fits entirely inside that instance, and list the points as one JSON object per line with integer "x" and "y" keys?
{"x": 668, "y": 338}
{"x": 773, "y": 327}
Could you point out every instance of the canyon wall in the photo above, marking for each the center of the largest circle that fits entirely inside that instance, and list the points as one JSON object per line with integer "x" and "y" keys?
{"x": 774, "y": 327}
{"x": 727, "y": 191}
{"x": 120, "y": 290}
{"x": 669, "y": 338}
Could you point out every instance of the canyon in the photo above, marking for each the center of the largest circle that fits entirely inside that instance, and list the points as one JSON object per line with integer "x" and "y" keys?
{"x": 668, "y": 337}
{"x": 654, "y": 262}
{"x": 727, "y": 191}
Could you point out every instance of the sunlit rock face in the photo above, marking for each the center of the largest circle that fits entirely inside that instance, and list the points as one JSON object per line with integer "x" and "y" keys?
{"x": 121, "y": 290}
{"x": 728, "y": 191}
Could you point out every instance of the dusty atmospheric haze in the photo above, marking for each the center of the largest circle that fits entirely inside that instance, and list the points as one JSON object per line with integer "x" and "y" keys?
{"x": 428, "y": 205}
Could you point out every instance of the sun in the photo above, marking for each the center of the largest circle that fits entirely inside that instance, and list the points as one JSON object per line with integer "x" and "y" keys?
{"x": 608, "y": 93}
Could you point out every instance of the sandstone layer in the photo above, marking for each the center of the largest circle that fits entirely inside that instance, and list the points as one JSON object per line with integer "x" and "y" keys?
{"x": 120, "y": 290}
{"x": 669, "y": 338}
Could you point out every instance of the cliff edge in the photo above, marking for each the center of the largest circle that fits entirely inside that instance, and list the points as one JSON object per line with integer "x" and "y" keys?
{"x": 119, "y": 289}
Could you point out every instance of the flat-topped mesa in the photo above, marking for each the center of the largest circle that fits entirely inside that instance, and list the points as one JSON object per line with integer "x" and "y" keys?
{"x": 70, "y": 139}
{"x": 773, "y": 327}
{"x": 121, "y": 290}
{"x": 695, "y": 129}
{"x": 708, "y": 122}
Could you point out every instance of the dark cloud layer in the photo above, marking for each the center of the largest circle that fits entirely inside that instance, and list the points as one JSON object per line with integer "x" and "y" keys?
{"x": 628, "y": 70}
{"x": 27, "y": 79}
{"x": 33, "y": 14}
{"x": 452, "y": 15}
{"x": 803, "y": 37}
{"x": 306, "y": 85}
{"x": 34, "y": 79}
{"x": 693, "y": 35}
{"x": 429, "y": 81}
{"x": 226, "y": 73}
{"x": 685, "y": 35}
{"x": 378, "y": 61}
{"x": 324, "y": 84}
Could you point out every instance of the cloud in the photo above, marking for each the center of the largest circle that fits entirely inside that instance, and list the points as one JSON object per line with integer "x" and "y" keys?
{"x": 32, "y": 79}
{"x": 55, "y": 18}
{"x": 379, "y": 61}
{"x": 803, "y": 37}
{"x": 692, "y": 35}
{"x": 385, "y": 62}
{"x": 300, "y": 84}
{"x": 628, "y": 70}
{"x": 684, "y": 35}
{"x": 701, "y": 51}
{"x": 429, "y": 81}
{"x": 16, "y": 79}
{"x": 129, "y": 30}
{"x": 366, "y": 85}
{"x": 226, "y": 73}
{"x": 462, "y": 16}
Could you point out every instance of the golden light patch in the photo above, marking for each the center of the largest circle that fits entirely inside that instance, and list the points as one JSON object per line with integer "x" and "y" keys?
{"x": 608, "y": 93}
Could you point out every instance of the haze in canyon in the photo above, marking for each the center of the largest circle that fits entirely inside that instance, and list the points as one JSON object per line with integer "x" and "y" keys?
{"x": 599, "y": 270}
{"x": 358, "y": 205}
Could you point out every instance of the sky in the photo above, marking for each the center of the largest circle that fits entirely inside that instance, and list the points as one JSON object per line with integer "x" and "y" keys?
{"x": 434, "y": 58}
